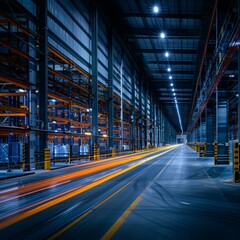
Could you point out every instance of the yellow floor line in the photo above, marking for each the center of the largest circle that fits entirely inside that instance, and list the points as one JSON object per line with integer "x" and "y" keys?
{"x": 120, "y": 221}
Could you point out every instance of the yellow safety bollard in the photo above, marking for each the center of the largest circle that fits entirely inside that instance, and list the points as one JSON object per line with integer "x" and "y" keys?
{"x": 23, "y": 156}
{"x": 236, "y": 162}
{"x": 95, "y": 153}
{"x": 113, "y": 152}
{"x": 46, "y": 158}
{"x": 215, "y": 152}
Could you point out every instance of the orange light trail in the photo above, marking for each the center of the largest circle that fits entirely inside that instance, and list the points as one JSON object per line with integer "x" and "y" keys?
{"x": 56, "y": 199}
{"x": 105, "y": 164}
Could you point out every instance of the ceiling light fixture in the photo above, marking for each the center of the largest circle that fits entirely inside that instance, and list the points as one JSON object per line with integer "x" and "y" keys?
{"x": 169, "y": 69}
{"x": 155, "y": 9}
{"x": 171, "y": 84}
{"x": 166, "y": 54}
{"x": 162, "y": 35}
{"x": 170, "y": 77}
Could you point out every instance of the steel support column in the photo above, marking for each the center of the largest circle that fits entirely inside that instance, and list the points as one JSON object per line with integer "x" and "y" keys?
{"x": 140, "y": 119}
{"x": 133, "y": 117}
{"x": 238, "y": 82}
{"x": 161, "y": 126}
{"x": 158, "y": 127}
{"x": 30, "y": 163}
{"x": 154, "y": 106}
{"x": 95, "y": 74}
{"x": 151, "y": 120}
{"x": 209, "y": 131}
{"x": 236, "y": 162}
{"x": 43, "y": 84}
{"x": 203, "y": 128}
{"x": 110, "y": 89}
{"x": 222, "y": 130}
{"x": 146, "y": 115}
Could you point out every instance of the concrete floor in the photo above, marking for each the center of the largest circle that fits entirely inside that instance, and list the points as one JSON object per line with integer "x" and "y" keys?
{"x": 174, "y": 196}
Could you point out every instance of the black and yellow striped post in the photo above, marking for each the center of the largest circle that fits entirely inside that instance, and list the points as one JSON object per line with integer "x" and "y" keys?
{"x": 236, "y": 162}
{"x": 113, "y": 152}
{"x": 202, "y": 150}
{"x": 46, "y": 158}
{"x": 96, "y": 153}
{"x": 24, "y": 156}
{"x": 215, "y": 151}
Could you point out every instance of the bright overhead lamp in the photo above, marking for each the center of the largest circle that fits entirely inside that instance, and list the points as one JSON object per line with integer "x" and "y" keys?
{"x": 88, "y": 133}
{"x": 166, "y": 54}
{"x": 155, "y": 9}
{"x": 171, "y": 84}
{"x": 174, "y": 94}
{"x": 21, "y": 90}
{"x": 169, "y": 69}
{"x": 173, "y": 89}
{"x": 162, "y": 35}
{"x": 170, "y": 77}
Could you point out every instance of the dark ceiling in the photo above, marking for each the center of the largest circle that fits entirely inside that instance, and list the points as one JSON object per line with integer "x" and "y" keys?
{"x": 190, "y": 28}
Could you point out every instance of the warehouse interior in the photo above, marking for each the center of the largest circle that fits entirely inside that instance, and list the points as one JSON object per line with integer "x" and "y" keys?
{"x": 92, "y": 79}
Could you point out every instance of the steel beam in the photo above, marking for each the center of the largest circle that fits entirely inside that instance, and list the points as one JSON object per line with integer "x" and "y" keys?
{"x": 209, "y": 131}
{"x": 95, "y": 73}
{"x": 110, "y": 89}
{"x": 43, "y": 80}
{"x": 162, "y": 51}
{"x": 146, "y": 115}
{"x": 141, "y": 112}
{"x": 162, "y": 15}
{"x": 133, "y": 117}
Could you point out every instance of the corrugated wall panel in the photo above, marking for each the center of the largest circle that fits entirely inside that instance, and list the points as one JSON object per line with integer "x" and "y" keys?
{"x": 73, "y": 35}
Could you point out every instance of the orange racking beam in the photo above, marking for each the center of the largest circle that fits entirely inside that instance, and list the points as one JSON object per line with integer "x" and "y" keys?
{"x": 13, "y": 109}
{"x": 14, "y": 49}
{"x": 13, "y": 114}
{"x": 10, "y": 94}
{"x": 67, "y": 61}
{"x": 59, "y": 119}
{"x": 13, "y": 81}
{"x": 67, "y": 79}
{"x": 79, "y": 124}
{"x": 24, "y": 30}
{"x": 61, "y": 99}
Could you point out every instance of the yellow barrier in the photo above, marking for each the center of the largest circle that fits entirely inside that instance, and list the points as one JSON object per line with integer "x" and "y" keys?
{"x": 113, "y": 152}
{"x": 96, "y": 153}
{"x": 46, "y": 158}
{"x": 215, "y": 152}
{"x": 199, "y": 147}
{"x": 23, "y": 156}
